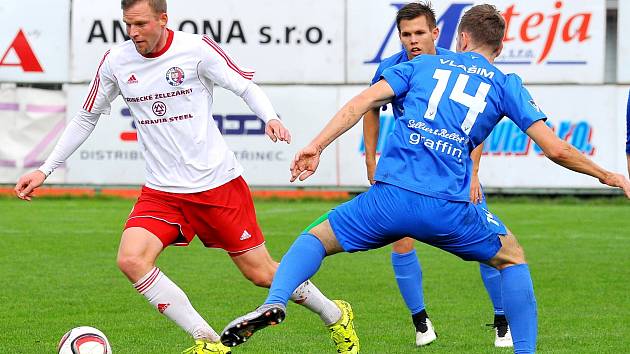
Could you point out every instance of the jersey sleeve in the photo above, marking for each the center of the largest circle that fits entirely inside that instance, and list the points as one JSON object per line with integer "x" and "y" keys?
{"x": 518, "y": 104}
{"x": 216, "y": 66}
{"x": 377, "y": 74}
{"x": 103, "y": 89}
{"x": 398, "y": 77}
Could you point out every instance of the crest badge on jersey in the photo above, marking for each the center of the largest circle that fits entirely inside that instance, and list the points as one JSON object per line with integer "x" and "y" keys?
{"x": 175, "y": 76}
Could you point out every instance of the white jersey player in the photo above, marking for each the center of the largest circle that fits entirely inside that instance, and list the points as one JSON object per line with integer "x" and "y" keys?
{"x": 193, "y": 180}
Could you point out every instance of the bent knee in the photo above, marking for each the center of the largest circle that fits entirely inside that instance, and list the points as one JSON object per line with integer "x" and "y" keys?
{"x": 133, "y": 265}
{"x": 260, "y": 278}
{"x": 404, "y": 245}
{"x": 511, "y": 253}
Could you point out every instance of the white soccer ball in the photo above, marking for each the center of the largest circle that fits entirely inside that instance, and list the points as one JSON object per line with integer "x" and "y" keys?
{"x": 84, "y": 340}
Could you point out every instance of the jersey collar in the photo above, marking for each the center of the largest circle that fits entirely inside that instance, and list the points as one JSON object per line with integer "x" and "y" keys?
{"x": 169, "y": 40}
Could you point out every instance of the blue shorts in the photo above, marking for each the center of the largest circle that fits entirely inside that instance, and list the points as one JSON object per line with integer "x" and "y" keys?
{"x": 386, "y": 213}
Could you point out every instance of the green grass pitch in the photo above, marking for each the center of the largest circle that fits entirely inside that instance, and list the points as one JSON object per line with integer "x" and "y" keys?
{"x": 58, "y": 271}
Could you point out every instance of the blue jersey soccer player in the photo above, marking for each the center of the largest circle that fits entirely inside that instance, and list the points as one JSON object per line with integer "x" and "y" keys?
{"x": 423, "y": 178}
{"x": 418, "y": 31}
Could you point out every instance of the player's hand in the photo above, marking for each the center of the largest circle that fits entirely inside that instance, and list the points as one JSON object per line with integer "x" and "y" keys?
{"x": 476, "y": 193}
{"x": 26, "y": 184}
{"x": 370, "y": 165}
{"x": 305, "y": 163}
{"x": 275, "y": 130}
{"x": 617, "y": 180}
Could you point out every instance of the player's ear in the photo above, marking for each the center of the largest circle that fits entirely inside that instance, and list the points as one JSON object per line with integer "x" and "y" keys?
{"x": 163, "y": 19}
{"x": 458, "y": 43}
{"x": 435, "y": 33}
{"x": 464, "y": 41}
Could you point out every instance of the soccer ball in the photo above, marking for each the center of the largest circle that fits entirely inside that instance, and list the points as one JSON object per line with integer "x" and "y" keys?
{"x": 84, "y": 340}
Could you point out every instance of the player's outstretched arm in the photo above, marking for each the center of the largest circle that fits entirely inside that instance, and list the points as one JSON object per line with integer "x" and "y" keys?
{"x": 628, "y": 157}
{"x": 476, "y": 193}
{"x": 565, "y": 155}
{"x": 306, "y": 160}
{"x": 370, "y": 138}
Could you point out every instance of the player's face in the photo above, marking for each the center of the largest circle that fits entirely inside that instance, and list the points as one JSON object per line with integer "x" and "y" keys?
{"x": 417, "y": 37}
{"x": 144, "y": 26}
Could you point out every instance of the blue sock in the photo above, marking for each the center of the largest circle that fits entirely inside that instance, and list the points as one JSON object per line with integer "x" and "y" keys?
{"x": 492, "y": 280}
{"x": 300, "y": 263}
{"x": 409, "y": 278}
{"x": 519, "y": 303}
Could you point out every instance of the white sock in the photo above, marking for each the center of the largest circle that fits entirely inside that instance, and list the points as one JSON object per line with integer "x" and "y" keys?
{"x": 171, "y": 301}
{"x": 310, "y": 297}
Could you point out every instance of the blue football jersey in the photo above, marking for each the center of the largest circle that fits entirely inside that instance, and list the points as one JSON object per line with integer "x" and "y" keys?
{"x": 400, "y": 57}
{"x": 451, "y": 104}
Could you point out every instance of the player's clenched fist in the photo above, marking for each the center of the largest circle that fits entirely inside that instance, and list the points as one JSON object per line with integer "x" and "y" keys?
{"x": 26, "y": 184}
{"x": 305, "y": 163}
{"x": 277, "y": 131}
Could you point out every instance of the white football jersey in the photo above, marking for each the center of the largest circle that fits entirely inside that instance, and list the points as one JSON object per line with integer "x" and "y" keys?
{"x": 170, "y": 98}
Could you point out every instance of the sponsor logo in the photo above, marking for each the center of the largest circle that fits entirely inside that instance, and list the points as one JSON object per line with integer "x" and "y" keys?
{"x": 442, "y": 133}
{"x": 506, "y": 139}
{"x": 245, "y": 235}
{"x": 530, "y": 36}
{"x": 21, "y": 49}
{"x": 162, "y": 307}
{"x": 159, "y": 108}
{"x": 175, "y": 76}
{"x": 132, "y": 79}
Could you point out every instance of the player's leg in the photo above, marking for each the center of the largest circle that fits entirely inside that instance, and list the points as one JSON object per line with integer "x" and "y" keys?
{"x": 258, "y": 266}
{"x": 146, "y": 234}
{"x": 491, "y": 278}
{"x": 519, "y": 301}
{"x": 138, "y": 251}
{"x": 353, "y": 228}
{"x": 484, "y": 238}
{"x": 225, "y": 217}
{"x": 299, "y": 264}
{"x": 408, "y": 275}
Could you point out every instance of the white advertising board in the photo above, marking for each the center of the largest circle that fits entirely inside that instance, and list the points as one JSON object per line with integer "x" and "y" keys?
{"x": 34, "y": 45}
{"x": 623, "y": 42}
{"x": 285, "y": 42}
{"x": 585, "y": 117}
{"x": 588, "y": 118}
{"x": 32, "y": 121}
{"x": 111, "y": 154}
{"x": 546, "y": 41}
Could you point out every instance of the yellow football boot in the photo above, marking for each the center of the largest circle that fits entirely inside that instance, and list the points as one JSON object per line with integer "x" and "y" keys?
{"x": 203, "y": 347}
{"x": 342, "y": 332}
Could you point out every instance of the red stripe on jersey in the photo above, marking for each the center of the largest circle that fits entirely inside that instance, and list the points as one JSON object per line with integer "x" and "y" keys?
{"x": 96, "y": 84}
{"x": 245, "y": 74}
{"x": 149, "y": 281}
{"x": 89, "y": 101}
{"x": 227, "y": 58}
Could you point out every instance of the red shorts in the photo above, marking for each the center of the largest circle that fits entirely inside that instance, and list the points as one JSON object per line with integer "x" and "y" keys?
{"x": 222, "y": 217}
